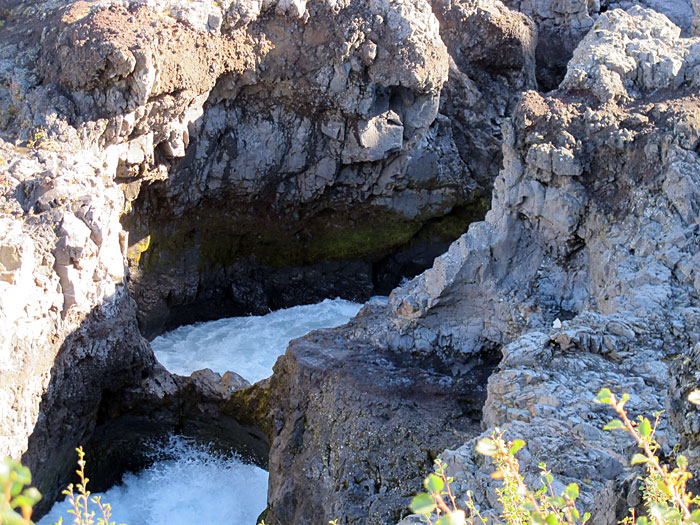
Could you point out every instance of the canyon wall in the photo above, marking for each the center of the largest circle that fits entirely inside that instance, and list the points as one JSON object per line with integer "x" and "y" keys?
{"x": 168, "y": 162}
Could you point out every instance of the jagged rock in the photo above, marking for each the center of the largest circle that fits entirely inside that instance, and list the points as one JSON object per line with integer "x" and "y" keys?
{"x": 492, "y": 60}
{"x": 160, "y": 405}
{"x": 299, "y": 140}
{"x": 354, "y": 427}
{"x": 585, "y": 248}
{"x": 68, "y": 323}
{"x": 638, "y": 50}
{"x": 562, "y": 25}
{"x": 314, "y": 125}
{"x": 355, "y": 154}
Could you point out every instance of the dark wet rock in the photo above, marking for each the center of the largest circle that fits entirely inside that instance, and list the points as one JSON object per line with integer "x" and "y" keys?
{"x": 140, "y": 418}
{"x": 355, "y": 427}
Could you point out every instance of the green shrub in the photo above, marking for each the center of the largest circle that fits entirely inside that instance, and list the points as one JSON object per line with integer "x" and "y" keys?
{"x": 15, "y": 497}
{"x": 666, "y": 499}
{"x": 14, "y": 477}
{"x": 80, "y": 501}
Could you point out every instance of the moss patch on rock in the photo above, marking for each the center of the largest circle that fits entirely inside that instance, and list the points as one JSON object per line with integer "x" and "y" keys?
{"x": 218, "y": 243}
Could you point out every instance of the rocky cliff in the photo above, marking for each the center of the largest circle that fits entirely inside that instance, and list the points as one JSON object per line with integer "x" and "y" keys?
{"x": 585, "y": 269}
{"x": 166, "y": 162}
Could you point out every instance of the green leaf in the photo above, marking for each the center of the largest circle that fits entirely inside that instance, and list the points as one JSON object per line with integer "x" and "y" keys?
{"x": 515, "y": 446}
{"x": 695, "y": 516}
{"x": 642, "y": 521}
{"x": 433, "y": 484}
{"x": 453, "y": 518}
{"x": 10, "y": 517}
{"x": 23, "y": 475}
{"x": 551, "y": 519}
{"x": 694, "y": 397}
{"x": 556, "y": 502}
{"x": 645, "y": 428}
{"x": 486, "y": 447}
{"x": 572, "y": 491}
{"x": 638, "y": 458}
{"x": 586, "y": 517}
{"x": 23, "y": 501}
{"x": 16, "y": 488}
{"x": 422, "y": 504}
{"x": 663, "y": 512}
{"x": 538, "y": 519}
{"x": 615, "y": 424}
{"x": 682, "y": 462}
{"x": 603, "y": 396}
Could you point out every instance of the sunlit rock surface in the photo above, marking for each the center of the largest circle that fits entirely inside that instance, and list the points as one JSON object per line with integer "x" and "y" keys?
{"x": 165, "y": 162}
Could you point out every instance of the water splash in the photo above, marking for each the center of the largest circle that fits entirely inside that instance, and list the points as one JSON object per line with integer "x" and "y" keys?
{"x": 191, "y": 484}
{"x": 250, "y": 345}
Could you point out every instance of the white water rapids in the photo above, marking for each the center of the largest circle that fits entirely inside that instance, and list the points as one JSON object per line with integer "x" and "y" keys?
{"x": 195, "y": 485}
{"x": 250, "y": 345}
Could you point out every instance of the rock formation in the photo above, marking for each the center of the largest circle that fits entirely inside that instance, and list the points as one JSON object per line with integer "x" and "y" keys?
{"x": 594, "y": 223}
{"x": 355, "y": 427}
{"x": 166, "y": 162}
{"x": 304, "y": 174}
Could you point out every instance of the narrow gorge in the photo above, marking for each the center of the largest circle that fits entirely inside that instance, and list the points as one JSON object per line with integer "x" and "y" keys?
{"x": 520, "y": 178}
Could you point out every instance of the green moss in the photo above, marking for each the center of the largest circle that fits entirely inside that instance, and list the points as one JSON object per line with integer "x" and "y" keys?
{"x": 351, "y": 243}
{"x": 218, "y": 239}
{"x": 455, "y": 223}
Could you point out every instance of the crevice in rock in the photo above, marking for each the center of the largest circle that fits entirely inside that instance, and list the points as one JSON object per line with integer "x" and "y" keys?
{"x": 430, "y": 241}
{"x": 226, "y": 258}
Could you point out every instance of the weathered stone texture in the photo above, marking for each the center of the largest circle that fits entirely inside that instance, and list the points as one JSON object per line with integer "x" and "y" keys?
{"x": 596, "y": 204}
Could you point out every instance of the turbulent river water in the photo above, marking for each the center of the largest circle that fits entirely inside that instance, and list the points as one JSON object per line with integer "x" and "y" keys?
{"x": 188, "y": 483}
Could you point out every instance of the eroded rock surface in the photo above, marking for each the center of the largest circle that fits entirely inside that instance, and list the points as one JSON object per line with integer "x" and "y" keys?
{"x": 355, "y": 427}
{"x": 562, "y": 25}
{"x": 590, "y": 252}
{"x": 167, "y": 161}
{"x": 337, "y": 150}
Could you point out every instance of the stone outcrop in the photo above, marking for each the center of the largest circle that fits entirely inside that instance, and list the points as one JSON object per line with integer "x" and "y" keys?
{"x": 326, "y": 163}
{"x": 585, "y": 268}
{"x": 68, "y": 322}
{"x": 298, "y": 150}
{"x": 355, "y": 427}
{"x": 562, "y": 25}
{"x": 289, "y": 135}
{"x": 140, "y": 417}
{"x": 583, "y": 274}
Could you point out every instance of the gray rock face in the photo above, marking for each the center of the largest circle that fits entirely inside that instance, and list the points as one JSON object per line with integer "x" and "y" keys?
{"x": 68, "y": 322}
{"x": 347, "y": 155}
{"x": 593, "y": 222}
{"x": 608, "y": 66}
{"x": 296, "y": 140}
{"x": 562, "y": 25}
{"x": 315, "y": 130}
{"x": 355, "y": 427}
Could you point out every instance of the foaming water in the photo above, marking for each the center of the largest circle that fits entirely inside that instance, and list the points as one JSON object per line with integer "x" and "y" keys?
{"x": 249, "y": 345}
{"x": 189, "y": 484}
{"x": 193, "y": 485}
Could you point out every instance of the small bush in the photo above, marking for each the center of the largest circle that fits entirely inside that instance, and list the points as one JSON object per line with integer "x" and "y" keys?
{"x": 16, "y": 502}
{"x": 666, "y": 499}
{"x": 14, "y": 477}
{"x": 80, "y": 501}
